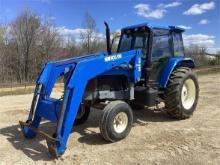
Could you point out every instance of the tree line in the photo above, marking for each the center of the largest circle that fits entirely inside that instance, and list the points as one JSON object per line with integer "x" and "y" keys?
{"x": 201, "y": 57}
{"x": 29, "y": 41}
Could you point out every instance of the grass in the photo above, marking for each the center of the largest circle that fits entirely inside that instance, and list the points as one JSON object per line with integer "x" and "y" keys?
{"x": 19, "y": 91}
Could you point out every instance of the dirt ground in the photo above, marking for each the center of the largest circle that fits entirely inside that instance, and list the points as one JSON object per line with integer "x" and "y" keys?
{"x": 154, "y": 138}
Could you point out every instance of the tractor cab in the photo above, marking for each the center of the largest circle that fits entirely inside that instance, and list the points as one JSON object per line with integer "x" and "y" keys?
{"x": 158, "y": 44}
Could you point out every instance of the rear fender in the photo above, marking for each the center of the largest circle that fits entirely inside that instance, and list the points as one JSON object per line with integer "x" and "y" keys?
{"x": 171, "y": 64}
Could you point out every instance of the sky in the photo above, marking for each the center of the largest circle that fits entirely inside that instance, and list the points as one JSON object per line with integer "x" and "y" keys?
{"x": 200, "y": 18}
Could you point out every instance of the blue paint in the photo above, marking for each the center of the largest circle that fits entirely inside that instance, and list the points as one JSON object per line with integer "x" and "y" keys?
{"x": 49, "y": 108}
{"x": 171, "y": 64}
{"x": 78, "y": 72}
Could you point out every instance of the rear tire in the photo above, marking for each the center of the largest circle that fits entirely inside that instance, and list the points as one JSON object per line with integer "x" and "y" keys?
{"x": 82, "y": 115}
{"x": 181, "y": 94}
{"x": 116, "y": 121}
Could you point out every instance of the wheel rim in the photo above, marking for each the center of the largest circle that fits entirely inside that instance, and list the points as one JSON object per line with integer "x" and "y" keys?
{"x": 188, "y": 94}
{"x": 120, "y": 122}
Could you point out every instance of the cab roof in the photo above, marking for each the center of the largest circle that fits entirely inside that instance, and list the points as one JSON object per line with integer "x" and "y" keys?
{"x": 151, "y": 26}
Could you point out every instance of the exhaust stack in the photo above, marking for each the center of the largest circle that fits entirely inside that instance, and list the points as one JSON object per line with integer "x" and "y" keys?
{"x": 108, "y": 38}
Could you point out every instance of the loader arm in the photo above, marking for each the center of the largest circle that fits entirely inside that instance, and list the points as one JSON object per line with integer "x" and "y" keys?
{"x": 77, "y": 72}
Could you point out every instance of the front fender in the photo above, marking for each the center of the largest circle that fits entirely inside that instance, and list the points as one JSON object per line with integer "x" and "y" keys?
{"x": 171, "y": 64}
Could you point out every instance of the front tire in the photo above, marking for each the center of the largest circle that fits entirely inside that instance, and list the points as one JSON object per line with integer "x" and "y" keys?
{"x": 116, "y": 121}
{"x": 181, "y": 94}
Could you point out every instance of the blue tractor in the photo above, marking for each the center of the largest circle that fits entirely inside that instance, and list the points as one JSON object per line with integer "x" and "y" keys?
{"x": 148, "y": 68}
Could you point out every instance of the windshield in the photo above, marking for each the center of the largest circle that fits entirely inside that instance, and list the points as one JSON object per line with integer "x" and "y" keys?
{"x": 134, "y": 40}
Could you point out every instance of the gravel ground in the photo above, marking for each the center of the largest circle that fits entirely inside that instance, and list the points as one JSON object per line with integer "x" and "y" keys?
{"x": 154, "y": 138}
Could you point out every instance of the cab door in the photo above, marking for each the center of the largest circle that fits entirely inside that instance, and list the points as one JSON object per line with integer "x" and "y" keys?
{"x": 162, "y": 50}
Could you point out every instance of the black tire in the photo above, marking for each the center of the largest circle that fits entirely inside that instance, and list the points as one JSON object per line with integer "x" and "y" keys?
{"x": 173, "y": 99}
{"x": 107, "y": 129}
{"x": 82, "y": 115}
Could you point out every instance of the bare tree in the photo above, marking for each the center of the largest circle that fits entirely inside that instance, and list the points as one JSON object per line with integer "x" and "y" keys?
{"x": 24, "y": 31}
{"x": 2, "y": 48}
{"x": 49, "y": 40}
{"x": 89, "y": 34}
{"x": 73, "y": 47}
{"x": 199, "y": 54}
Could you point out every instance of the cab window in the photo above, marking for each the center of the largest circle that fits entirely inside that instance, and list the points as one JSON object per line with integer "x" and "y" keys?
{"x": 125, "y": 43}
{"x": 178, "y": 44}
{"x": 139, "y": 42}
{"x": 133, "y": 40}
{"x": 161, "y": 45}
